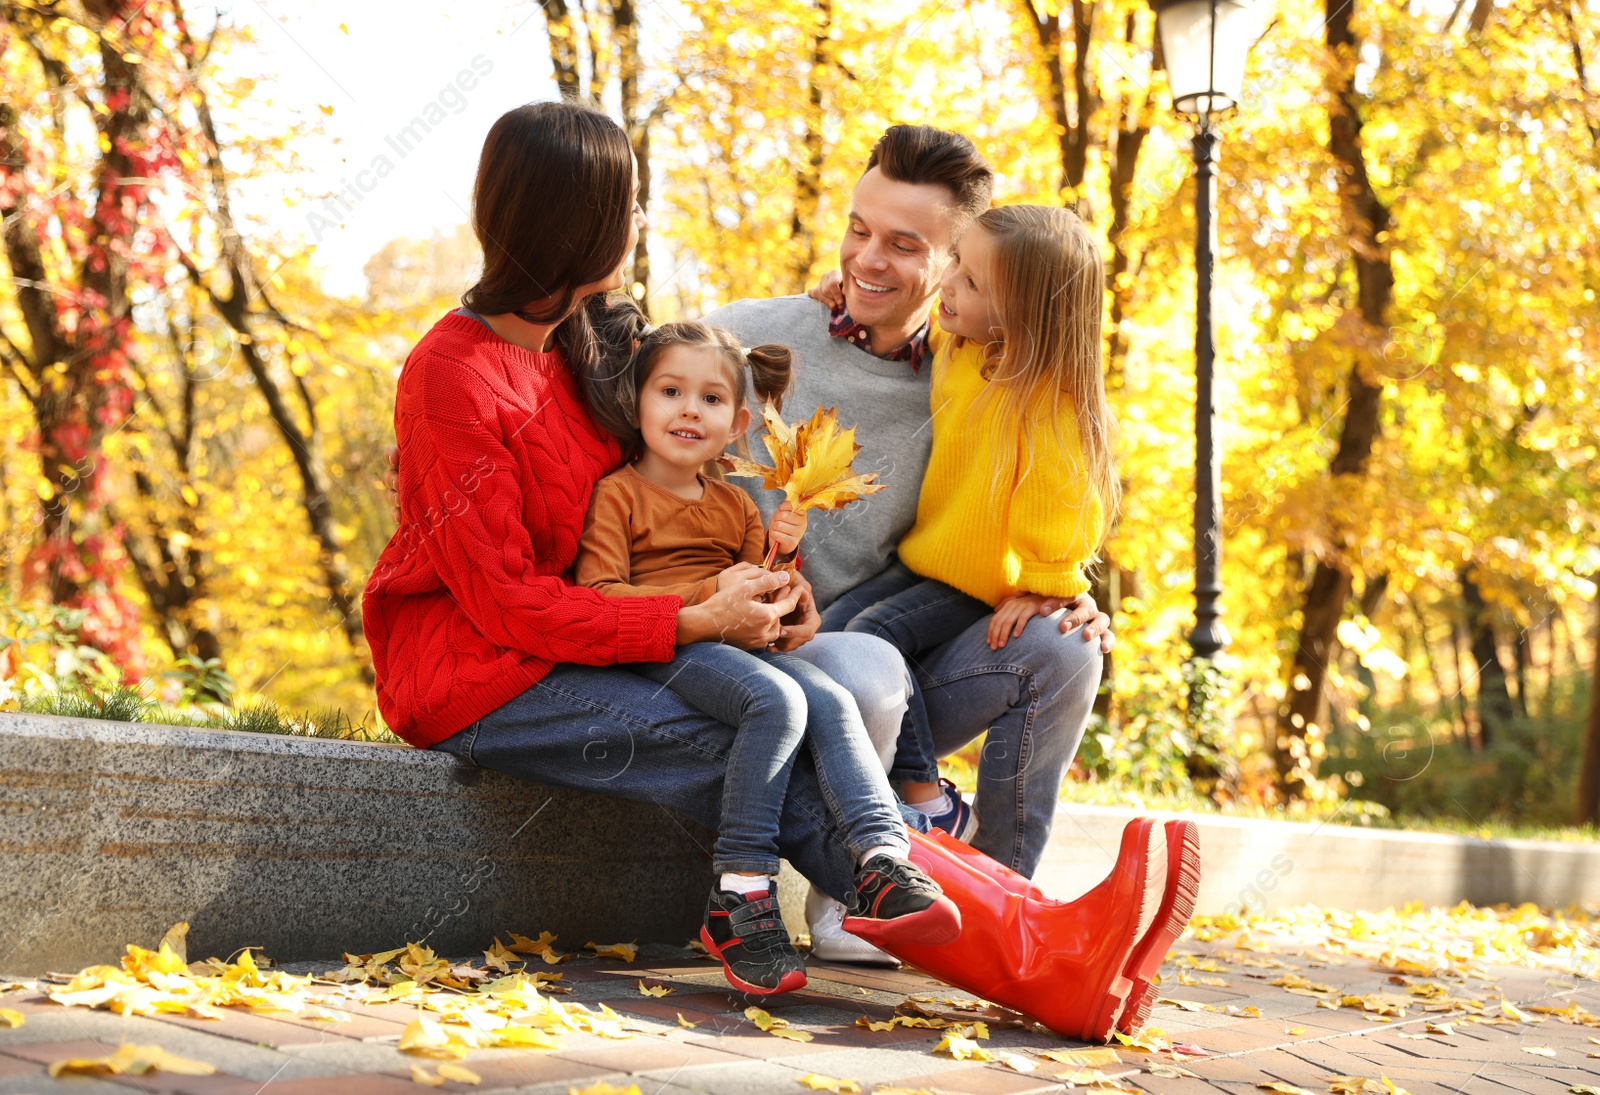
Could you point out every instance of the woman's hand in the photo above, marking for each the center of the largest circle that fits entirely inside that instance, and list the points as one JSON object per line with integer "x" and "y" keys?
{"x": 391, "y": 480}
{"x": 830, "y": 290}
{"x": 788, "y": 528}
{"x": 737, "y": 615}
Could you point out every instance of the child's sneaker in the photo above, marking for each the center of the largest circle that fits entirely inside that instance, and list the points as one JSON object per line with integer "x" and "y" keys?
{"x": 895, "y": 902}
{"x": 746, "y": 931}
{"x": 958, "y": 819}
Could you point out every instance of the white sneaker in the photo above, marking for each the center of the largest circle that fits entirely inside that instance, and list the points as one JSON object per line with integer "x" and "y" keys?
{"x": 831, "y": 943}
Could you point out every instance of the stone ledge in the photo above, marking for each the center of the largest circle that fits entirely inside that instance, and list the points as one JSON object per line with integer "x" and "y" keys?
{"x": 110, "y": 832}
{"x": 1260, "y": 865}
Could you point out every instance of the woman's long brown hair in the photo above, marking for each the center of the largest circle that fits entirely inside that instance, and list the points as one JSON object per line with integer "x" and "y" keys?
{"x": 552, "y": 207}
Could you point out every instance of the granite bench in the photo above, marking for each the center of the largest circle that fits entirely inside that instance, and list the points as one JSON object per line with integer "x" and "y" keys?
{"x": 111, "y": 832}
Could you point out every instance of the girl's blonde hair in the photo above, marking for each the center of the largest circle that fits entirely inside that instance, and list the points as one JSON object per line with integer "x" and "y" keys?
{"x": 1049, "y": 289}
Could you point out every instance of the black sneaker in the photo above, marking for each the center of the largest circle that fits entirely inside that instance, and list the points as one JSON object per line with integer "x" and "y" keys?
{"x": 747, "y": 933}
{"x": 895, "y": 902}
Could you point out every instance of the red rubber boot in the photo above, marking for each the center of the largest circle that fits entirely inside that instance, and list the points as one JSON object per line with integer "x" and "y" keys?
{"x": 1062, "y": 963}
{"x": 1177, "y": 906}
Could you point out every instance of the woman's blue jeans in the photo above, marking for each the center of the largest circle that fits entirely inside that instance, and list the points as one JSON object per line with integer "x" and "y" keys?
{"x": 611, "y": 731}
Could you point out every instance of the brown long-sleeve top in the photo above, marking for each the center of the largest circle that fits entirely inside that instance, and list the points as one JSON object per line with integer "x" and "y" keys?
{"x": 641, "y": 540}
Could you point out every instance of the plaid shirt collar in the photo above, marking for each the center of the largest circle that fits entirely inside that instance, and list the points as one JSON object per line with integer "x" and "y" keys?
{"x": 840, "y": 325}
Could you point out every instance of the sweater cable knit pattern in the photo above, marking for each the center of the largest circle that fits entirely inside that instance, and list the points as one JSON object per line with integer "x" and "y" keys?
{"x": 472, "y": 603}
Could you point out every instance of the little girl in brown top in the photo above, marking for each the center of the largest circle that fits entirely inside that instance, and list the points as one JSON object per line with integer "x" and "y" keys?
{"x": 663, "y": 525}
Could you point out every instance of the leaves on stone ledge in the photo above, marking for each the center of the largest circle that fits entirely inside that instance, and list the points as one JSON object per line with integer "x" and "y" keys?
{"x": 625, "y": 951}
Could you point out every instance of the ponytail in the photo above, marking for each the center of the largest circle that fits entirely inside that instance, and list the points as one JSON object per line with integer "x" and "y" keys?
{"x": 771, "y": 371}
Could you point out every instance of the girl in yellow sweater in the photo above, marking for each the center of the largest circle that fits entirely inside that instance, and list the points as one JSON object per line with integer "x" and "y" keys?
{"x": 1021, "y": 483}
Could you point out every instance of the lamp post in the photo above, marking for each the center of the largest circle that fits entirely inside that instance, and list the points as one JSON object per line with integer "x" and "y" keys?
{"x": 1204, "y": 43}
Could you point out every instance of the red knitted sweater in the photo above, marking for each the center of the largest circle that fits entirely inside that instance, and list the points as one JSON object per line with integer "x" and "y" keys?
{"x": 471, "y": 602}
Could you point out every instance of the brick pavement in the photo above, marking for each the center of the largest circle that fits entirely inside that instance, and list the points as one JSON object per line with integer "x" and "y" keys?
{"x": 1287, "y": 1037}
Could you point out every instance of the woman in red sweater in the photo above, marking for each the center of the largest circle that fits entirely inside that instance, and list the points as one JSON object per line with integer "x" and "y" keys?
{"x": 483, "y": 645}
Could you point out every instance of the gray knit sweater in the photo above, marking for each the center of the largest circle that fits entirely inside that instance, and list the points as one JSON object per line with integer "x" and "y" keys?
{"x": 884, "y": 400}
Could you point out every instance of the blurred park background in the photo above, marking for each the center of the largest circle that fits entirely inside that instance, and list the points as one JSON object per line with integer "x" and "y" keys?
{"x": 224, "y": 228}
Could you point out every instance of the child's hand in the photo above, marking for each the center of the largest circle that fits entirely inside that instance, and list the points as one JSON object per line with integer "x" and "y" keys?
{"x": 735, "y": 574}
{"x": 1012, "y": 614}
{"x": 830, "y": 290}
{"x": 788, "y": 528}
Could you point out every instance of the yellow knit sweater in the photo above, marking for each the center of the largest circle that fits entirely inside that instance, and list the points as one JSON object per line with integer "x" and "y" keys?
{"x": 990, "y": 522}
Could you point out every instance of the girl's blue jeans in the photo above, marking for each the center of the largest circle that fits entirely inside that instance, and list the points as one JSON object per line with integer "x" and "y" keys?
{"x": 779, "y": 704}
{"x": 1033, "y": 696}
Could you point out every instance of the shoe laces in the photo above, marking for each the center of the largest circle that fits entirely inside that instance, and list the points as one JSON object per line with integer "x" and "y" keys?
{"x": 899, "y": 872}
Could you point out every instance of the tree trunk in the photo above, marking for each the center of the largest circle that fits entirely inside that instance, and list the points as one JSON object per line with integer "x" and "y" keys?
{"x": 76, "y": 379}
{"x": 1367, "y": 221}
{"x": 1589, "y": 773}
{"x": 808, "y": 179}
{"x": 563, "y": 48}
{"x": 304, "y": 443}
{"x": 1127, "y": 141}
{"x": 1494, "y": 698}
{"x": 1071, "y": 118}
{"x": 625, "y": 32}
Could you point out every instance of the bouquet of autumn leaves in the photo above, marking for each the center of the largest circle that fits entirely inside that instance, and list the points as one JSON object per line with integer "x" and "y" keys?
{"x": 810, "y": 464}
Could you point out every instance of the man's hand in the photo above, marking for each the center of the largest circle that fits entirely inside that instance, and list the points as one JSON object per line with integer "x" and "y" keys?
{"x": 830, "y": 290}
{"x": 788, "y": 528}
{"x": 391, "y": 480}
{"x": 794, "y": 636}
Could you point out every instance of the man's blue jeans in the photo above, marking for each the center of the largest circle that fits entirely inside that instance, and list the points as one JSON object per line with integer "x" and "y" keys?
{"x": 1033, "y": 696}
{"x": 779, "y": 702}
{"x": 610, "y": 731}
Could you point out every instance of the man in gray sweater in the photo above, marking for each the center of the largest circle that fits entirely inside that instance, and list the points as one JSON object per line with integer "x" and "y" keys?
{"x": 922, "y": 187}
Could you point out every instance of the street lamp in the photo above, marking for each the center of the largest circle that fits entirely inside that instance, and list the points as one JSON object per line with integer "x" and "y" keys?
{"x": 1204, "y": 43}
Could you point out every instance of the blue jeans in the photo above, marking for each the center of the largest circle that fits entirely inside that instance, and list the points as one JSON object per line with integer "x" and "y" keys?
{"x": 777, "y": 701}
{"x": 609, "y": 731}
{"x": 1033, "y": 696}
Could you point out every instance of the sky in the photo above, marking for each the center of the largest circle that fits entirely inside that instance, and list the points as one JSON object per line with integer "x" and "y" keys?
{"x": 353, "y": 78}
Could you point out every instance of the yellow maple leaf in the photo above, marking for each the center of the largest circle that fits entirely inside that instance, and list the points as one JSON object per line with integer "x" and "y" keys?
{"x": 625, "y": 951}
{"x": 521, "y": 944}
{"x": 654, "y": 990}
{"x": 426, "y": 1038}
{"x": 131, "y": 1060}
{"x": 818, "y": 1082}
{"x": 791, "y": 1034}
{"x": 810, "y": 461}
{"x": 11, "y": 1017}
{"x": 516, "y": 1036}
{"x": 1082, "y": 1058}
{"x": 961, "y": 1048}
{"x": 763, "y": 1019}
